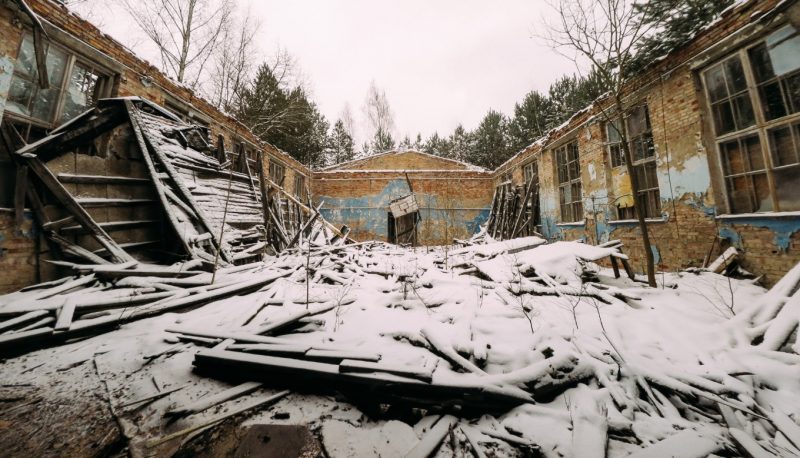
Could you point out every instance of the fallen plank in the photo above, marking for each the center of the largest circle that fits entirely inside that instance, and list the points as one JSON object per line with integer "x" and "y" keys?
{"x": 447, "y": 351}
{"x": 273, "y": 327}
{"x": 65, "y": 314}
{"x": 432, "y": 439}
{"x": 259, "y": 403}
{"x": 158, "y": 395}
{"x": 472, "y": 438}
{"x": 350, "y": 365}
{"x": 24, "y": 318}
{"x": 691, "y": 443}
{"x": 210, "y": 401}
{"x": 325, "y": 376}
{"x": 724, "y": 260}
{"x": 747, "y": 445}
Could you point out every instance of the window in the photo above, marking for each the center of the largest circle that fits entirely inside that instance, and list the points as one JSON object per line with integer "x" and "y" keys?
{"x": 569, "y": 182}
{"x": 640, "y": 141}
{"x": 779, "y": 95}
{"x": 74, "y": 87}
{"x": 615, "y": 143}
{"x": 276, "y": 172}
{"x": 759, "y": 152}
{"x": 299, "y": 186}
{"x": 730, "y": 101}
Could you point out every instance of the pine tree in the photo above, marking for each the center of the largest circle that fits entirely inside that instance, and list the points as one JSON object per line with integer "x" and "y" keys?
{"x": 341, "y": 144}
{"x": 491, "y": 141}
{"x": 674, "y": 22}
{"x": 530, "y": 120}
{"x": 437, "y": 146}
{"x": 405, "y": 143}
{"x": 418, "y": 144}
{"x": 264, "y": 106}
{"x": 461, "y": 143}
{"x": 382, "y": 142}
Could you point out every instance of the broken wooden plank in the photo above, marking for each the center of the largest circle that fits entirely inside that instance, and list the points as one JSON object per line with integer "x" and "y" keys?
{"x": 66, "y": 200}
{"x": 433, "y": 438}
{"x": 24, "y": 318}
{"x": 153, "y": 397}
{"x": 421, "y": 373}
{"x": 258, "y": 403}
{"x": 101, "y": 179}
{"x": 447, "y": 351}
{"x": 724, "y": 260}
{"x": 747, "y": 445}
{"x": 210, "y": 401}
{"x": 272, "y": 327}
{"x": 65, "y": 314}
{"x": 472, "y": 438}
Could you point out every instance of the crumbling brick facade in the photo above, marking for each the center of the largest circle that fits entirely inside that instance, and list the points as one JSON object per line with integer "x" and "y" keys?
{"x": 694, "y": 217}
{"x": 454, "y": 198}
{"x": 125, "y": 75}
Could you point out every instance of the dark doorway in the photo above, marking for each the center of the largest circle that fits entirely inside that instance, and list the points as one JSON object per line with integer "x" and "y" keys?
{"x": 403, "y": 230}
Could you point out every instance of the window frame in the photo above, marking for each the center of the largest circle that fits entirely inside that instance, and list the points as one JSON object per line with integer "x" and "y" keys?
{"x": 73, "y": 58}
{"x": 760, "y": 128}
{"x": 276, "y": 165}
{"x": 571, "y": 211}
{"x": 651, "y": 199}
{"x": 301, "y": 180}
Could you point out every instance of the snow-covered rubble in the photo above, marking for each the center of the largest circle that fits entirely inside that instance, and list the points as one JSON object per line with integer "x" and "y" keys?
{"x": 529, "y": 345}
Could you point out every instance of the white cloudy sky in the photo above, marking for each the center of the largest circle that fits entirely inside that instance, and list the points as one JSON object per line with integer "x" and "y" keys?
{"x": 440, "y": 62}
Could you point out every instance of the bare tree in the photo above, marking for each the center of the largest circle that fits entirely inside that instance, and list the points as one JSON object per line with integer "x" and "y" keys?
{"x": 185, "y": 32}
{"x": 349, "y": 122}
{"x": 605, "y": 33}
{"x": 232, "y": 62}
{"x": 378, "y": 113}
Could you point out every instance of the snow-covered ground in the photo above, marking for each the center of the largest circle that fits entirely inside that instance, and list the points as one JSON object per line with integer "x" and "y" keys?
{"x": 608, "y": 364}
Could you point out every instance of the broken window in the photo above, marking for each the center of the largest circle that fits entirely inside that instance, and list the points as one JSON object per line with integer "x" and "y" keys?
{"x": 299, "y": 186}
{"x": 640, "y": 141}
{"x": 25, "y": 97}
{"x": 730, "y": 101}
{"x": 569, "y": 182}
{"x": 760, "y": 158}
{"x": 276, "y": 172}
{"x": 84, "y": 87}
{"x": 615, "y": 143}
{"x": 74, "y": 86}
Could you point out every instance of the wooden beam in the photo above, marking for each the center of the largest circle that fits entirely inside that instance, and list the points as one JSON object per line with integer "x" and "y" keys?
{"x": 112, "y": 226}
{"x": 185, "y": 194}
{"x": 67, "y": 201}
{"x": 160, "y": 188}
{"x": 101, "y": 179}
{"x": 64, "y": 140}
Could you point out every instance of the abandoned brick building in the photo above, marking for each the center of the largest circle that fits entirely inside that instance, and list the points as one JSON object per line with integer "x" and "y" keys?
{"x": 715, "y": 130}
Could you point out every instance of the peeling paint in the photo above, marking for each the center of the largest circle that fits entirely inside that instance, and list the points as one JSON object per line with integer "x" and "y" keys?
{"x": 367, "y": 215}
{"x": 782, "y": 228}
{"x": 693, "y": 178}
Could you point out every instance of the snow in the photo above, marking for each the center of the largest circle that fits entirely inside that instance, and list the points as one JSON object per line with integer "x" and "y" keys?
{"x": 636, "y": 363}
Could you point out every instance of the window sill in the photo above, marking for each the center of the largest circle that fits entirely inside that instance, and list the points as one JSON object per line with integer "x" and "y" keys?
{"x": 636, "y": 221}
{"x": 572, "y": 224}
{"x": 746, "y": 216}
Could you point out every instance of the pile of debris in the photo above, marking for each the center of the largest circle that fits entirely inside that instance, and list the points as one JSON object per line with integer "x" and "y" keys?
{"x": 505, "y": 347}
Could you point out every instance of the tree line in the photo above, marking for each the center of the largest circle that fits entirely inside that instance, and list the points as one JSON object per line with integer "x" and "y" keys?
{"x": 209, "y": 46}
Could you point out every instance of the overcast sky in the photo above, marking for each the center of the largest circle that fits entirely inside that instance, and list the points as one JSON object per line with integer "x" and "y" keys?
{"x": 440, "y": 62}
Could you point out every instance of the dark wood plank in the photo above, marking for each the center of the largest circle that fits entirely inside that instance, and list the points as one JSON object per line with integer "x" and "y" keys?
{"x": 81, "y": 216}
